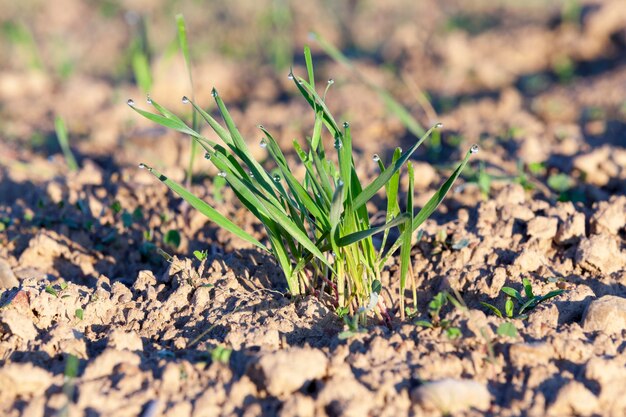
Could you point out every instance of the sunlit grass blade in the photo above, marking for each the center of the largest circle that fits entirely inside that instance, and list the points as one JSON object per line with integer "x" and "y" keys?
{"x": 205, "y": 208}
{"x": 434, "y": 201}
{"x": 64, "y": 143}
{"x": 407, "y": 233}
{"x": 438, "y": 197}
{"x": 384, "y": 177}
{"x": 217, "y": 128}
{"x": 308, "y": 59}
{"x": 391, "y": 188}
{"x": 336, "y": 208}
{"x": 175, "y": 124}
{"x": 360, "y": 235}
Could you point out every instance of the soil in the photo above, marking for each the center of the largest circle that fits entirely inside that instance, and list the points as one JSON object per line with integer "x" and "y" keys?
{"x": 86, "y": 270}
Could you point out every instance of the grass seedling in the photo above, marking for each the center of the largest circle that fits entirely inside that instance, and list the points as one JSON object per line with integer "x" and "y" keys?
{"x": 434, "y": 310}
{"x": 525, "y": 303}
{"x": 69, "y": 384}
{"x": 57, "y": 293}
{"x": 318, "y": 227}
{"x": 221, "y": 354}
{"x": 64, "y": 143}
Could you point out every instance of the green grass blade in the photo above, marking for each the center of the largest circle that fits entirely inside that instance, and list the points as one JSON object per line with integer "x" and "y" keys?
{"x": 336, "y": 208}
{"x": 528, "y": 288}
{"x": 439, "y": 195}
{"x": 175, "y": 124}
{"x": 316, "y": 102}
{"x": 362, "y": 234}
{"x": 241, "y": 148}
{"x": 345, "y": 158}
{"x": 308, "y": 59}
{"x": 205, "y": 208}
{"x": 434, "y": 201}
{"x": 184, "y": 46}
{"x": 64, "y": 143}
{"x": 303, "y": 198}
{"x": 512, "y": 292}
{"x": 384, "y": 177}
{"x": 494, "y": 309}
{"x": 217, "y": 128}
{"x": 407, "y": 233}
{"x": 317, "y": 131}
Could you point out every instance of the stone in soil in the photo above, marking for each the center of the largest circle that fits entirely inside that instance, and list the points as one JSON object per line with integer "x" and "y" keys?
{"x": 606, "y": 314}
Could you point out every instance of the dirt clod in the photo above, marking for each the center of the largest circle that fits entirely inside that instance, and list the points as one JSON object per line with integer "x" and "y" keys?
{"x": 452, "y": 395}
{"x": 285, "y": 372}
{"x": 606, "y": 314}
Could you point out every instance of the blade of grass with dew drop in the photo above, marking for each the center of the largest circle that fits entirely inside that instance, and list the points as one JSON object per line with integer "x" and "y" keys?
{"x": 64, "y": 143}
{"x": 407, "y": 233}
{"x": 301, "y": 195}
{"x": 205, "y": 209}
{"x": 316, "y": 102}
{"x": 392, "y": 105}
{"x": 432, "y": 204}
{"x": 384, "y": 177}
{"x": 241, "y": 149}
{"x": 217, "y": 128}
{"x": 274, "y": 212}
{"x": 175, "y": 124}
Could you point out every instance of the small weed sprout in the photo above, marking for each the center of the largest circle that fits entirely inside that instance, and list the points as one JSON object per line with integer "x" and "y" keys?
{"x": 221, "y": 354}
{"x": 318, "y": 228}
{"x": 434, "y": 309}
{"x": 525, "y": 303}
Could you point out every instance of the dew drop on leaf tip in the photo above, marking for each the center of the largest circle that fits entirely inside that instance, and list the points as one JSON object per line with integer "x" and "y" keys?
{"x": 131, "y": 102}
{"x": 474, "y": 149}
{"x": 148, "y": 100}
{"x": 375, "y": 158}
{"x": 185, "y": 100}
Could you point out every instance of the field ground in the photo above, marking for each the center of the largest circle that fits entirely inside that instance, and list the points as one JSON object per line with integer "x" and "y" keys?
{"x": 541, "y": 88}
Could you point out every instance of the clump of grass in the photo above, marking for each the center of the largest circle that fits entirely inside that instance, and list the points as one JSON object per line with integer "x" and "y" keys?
{"x": 318, "y": 228}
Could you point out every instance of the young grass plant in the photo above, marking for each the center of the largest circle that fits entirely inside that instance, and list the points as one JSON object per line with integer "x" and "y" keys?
{"x": 318, "y": 227}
